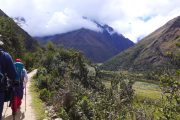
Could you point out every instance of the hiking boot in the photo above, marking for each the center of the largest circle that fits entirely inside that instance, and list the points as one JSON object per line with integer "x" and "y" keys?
{"x": 13, "y": 113}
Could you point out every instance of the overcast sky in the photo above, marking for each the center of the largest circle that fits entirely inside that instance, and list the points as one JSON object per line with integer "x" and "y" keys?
{"x": 132, "y": 18}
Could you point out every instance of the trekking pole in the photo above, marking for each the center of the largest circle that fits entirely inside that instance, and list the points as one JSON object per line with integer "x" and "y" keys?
{"x": 14, "y": 116}
{"x": 25, "y": 97}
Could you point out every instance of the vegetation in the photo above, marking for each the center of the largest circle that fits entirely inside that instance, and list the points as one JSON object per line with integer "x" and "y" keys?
{"x": 17, "y": 42}
{"x": 37, "y": 103}
{"x": 79, "y": 90}
{"x": 74, "y": 87}
{"x": 170, "y": 97}
{"x": 13, "y": 41}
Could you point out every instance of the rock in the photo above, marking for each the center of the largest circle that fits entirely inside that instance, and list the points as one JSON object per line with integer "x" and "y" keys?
{"x": 50, "y": 108}
{"x": 46, "y": 112}
{"x": 91, "y": 70}
{"x": 58, "y": 119}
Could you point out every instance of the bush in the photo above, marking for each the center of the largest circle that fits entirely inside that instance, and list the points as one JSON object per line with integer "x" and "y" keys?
{"x": 44, "y": 94}
{"x": 86, "y": 107}
{"x": 170, "y": 97}
{"x": 62, "y": 114}
{"x": 41, "y": 82}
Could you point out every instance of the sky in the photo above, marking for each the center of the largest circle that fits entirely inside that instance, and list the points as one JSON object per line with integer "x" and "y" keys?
{"x": 134, "y": 19}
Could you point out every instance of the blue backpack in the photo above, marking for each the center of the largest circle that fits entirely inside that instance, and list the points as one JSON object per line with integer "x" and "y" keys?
{"x": 19, "y": 69}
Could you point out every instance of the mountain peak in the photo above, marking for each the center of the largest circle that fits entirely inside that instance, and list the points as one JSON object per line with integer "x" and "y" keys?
{"x": 176, "y": 21}
{"x": 97, "y": 46}
{"x": 103, "y": 27}
{"x": 172, "y": 24}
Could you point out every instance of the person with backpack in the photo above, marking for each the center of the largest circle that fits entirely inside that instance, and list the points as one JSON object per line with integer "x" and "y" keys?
{"x": 7, "y": 69}
{"x": 18, "y": 91}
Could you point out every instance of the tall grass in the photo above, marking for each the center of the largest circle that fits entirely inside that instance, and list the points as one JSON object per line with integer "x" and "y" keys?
{"x": 37, "y": 102}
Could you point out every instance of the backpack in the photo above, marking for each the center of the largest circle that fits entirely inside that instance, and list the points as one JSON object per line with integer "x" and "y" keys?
{"x": 19, "y": 69}
{"x": 2, "y": 77}
{"x": 3, "y": 81}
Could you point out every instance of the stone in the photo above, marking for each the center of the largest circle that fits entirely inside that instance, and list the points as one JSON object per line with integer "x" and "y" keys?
{"x": 58, "y": 119}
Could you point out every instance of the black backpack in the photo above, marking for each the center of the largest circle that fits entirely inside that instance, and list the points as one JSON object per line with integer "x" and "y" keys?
{"x": 3, "y": 81}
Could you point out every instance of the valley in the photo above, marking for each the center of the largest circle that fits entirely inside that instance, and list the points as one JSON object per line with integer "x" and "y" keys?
{"x": 100, "y": 75}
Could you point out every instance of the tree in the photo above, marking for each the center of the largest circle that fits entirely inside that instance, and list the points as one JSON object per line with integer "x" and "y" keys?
{"x": 13, "y": 42}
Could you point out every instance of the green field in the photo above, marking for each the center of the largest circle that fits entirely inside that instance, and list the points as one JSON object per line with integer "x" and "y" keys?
{"x": 143, "y": 89}
{"x": 147, "y": 90}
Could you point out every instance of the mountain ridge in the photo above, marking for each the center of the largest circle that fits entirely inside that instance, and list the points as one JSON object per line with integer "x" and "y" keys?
{"x": 29, "y": 42}
{"x": 98, "y": 46}
{"x": 152, "y": 51}
{"x": 2, "y": 13}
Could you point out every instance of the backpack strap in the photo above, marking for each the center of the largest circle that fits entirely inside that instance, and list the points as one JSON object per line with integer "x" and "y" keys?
{"x": 1, "y": 67}
{"x": 2, "y": 54}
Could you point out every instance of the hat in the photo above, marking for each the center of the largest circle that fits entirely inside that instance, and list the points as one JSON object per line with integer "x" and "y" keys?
{"x": 18, "y": 60}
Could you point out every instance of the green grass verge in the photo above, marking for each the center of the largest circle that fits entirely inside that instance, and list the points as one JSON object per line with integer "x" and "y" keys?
{"x": 37, "y": 103}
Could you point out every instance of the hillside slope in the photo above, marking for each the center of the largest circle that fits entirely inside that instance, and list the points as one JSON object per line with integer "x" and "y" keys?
{"x": 14, "y": 37}
{"x": 97, "y": 46}
{"x": 152, "y": 52}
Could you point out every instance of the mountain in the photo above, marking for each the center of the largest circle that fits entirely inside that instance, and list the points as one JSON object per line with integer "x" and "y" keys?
{"x": 153, "y": 52}
{"x": 2, "y": 13}
{"x": 98, "y": 46}
{"x": 14, "y": 37}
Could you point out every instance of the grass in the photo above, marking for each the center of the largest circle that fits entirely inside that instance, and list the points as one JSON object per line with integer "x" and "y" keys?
{"x": 107, "y": 84}
{"x": 143, "y": 89}
{"x": 147, "y": 97}
{"x": 37, "y": 103}
{"x": 147, "y": 90}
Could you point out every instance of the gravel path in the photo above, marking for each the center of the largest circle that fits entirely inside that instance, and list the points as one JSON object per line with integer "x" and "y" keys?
{"x": 22, "y": 114}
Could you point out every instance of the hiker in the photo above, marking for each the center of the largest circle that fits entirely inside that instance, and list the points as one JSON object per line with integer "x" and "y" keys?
{"x": 7, "y": 69}
{"x": 21, "y": 79}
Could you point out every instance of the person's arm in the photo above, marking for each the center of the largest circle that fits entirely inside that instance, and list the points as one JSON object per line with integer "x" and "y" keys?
{"x": 25, "y": 76}
{"x": 10, "y": 68}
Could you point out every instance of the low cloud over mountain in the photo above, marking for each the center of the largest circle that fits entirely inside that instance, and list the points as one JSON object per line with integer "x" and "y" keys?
{"x": 98, "y": 46}
{"x": 134, "y": 19}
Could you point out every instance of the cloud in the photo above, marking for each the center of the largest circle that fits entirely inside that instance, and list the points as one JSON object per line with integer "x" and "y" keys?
{"x": 133, "y": 18}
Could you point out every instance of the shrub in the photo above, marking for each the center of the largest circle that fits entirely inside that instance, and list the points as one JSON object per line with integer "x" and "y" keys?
{"x": 44, "y": 94}
{"x": 170, "y": 97}
{"x": 62, "y": 114}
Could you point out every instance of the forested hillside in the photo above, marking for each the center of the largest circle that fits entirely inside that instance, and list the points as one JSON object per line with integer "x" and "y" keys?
{"x": 16, "y": 41}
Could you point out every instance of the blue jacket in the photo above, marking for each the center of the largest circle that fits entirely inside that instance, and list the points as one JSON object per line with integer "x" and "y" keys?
{"x": 7, "y": 65}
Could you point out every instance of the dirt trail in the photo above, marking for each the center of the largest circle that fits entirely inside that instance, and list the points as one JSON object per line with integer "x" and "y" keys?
{"x": 22, "y": 114}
